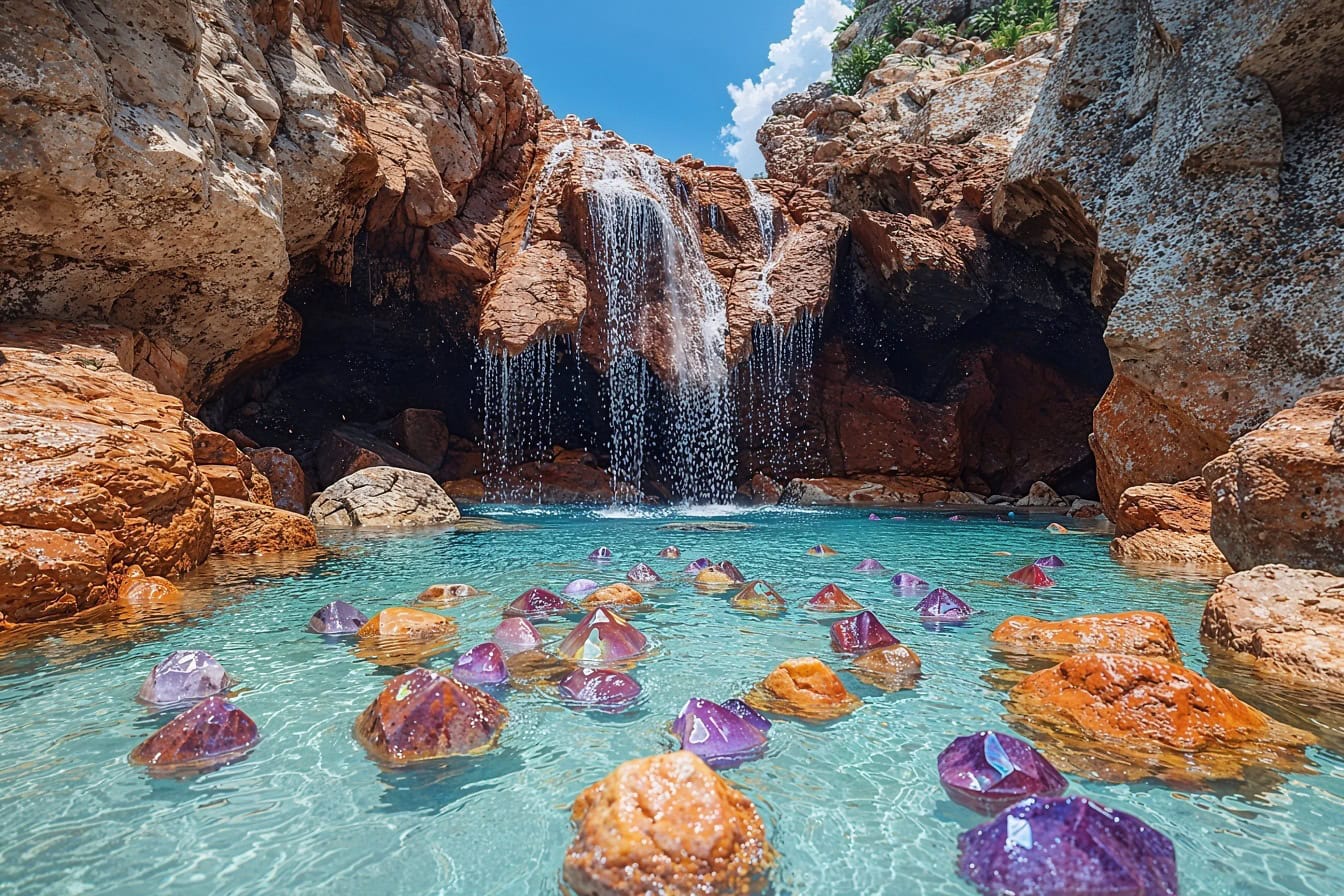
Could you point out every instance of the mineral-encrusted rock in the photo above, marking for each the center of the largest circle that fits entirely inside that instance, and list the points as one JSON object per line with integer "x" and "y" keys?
{"x": 1167, "y": 524}
{"x": 990, "y": 771}
{"x": 601, "y": 688}
{"x": 184, "y": 675}
{"x": 1136, "y": 632}
{"x": 423, "y": 715}
{"x": 384, "y": 496}
{"x": 447, "y": 595}
{"x": 1285, "y": 621}
{"x": 289, "y": 484}
{"x": 242, "y": 527}
{"x": 1278, "y": 494}
{"x": 892, "y": 668}
{"x": 666, "y": 824}
{"x": 404, "y": 623}
{"x": 804, "y": 687}
{"x": 617, "y": 594}
{"x": 337, "y": 618}
{"x": 717, "y": 735}
{"x": 212, "y": 733}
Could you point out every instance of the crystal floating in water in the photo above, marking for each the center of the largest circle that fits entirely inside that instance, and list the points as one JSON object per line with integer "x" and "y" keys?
{"x": 717, "y": 735}
{"x": 538, "y": 603}
{"x": 446, "y": 595}
{"x": 832, "y": 599}
{"x": 670, "y": 553}
{"x": 758, "y": 597}
{"x": 821, "y": 550}
{"x": 1051, "y": 561}
{"x": 1048, "y": 846}
{"x": 869, "y": 565}
{"x": 182, "y": 676}
{"x": 740, "y": 709}
{"x": 988, "y": 772}
{"x": 731, "y": 571}
{"x": 481, "y": 665}
{"x": 211, "y": 733}
{"x": 907, "y": 581}
{"x": 581, "y": 586}
{"x": 516, "y": 635}
{"x": 859, "y": 633}
{"x": 1032, "y": 576}
{"x": 941, "y": 604}
{"x": 696, "y": 565}
{"x": 642, "y": 573}
{"x": 873, "y": 516}
{"x": 603, "y": 636}
{"x": 956, "y": 518}
{"x": 899, "y": 519}
{"x": 604, "y": 688}
{"x": 425, "y": 715}
{"x": 337, "y": 618}
{"x": 600, "y": 555}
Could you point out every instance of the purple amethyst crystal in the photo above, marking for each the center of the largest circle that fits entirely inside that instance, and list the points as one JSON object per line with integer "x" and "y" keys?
{"x": 600, "y": 555}
{"x": 956, "y": 518}
{"x": 873, "y": 516}
{"x": 184, "y": 676}
{"x": 859, "y": 633}
{"x": 899, "y": 519}
{"x": 603, "y": 688}
{"x": 941, "y": 605}
{"x": 869, "y": 565}
{"x": 744, "y": 712}
{"x": 337, "y": 618}
{"x": 603, "y": 636}
{"x": 212, "y": 733}
{"x": 642, "y": 574}
{"x": 481, "y": 665}
{"x": 581, "y": 586}
{"x": 1051, "y": 561}
{"x": 716, "y": 734}
{"x": 732, "y": 572}
{"x": 538, "y": 603}
{"x": 516, "y": 635}
{"x": 989, "y": 772}
{"x": 671, "y": 552}
{"x": 1048, "y": 846}
{"x": 696, "y": 565}
{"x": 907, "y": 581}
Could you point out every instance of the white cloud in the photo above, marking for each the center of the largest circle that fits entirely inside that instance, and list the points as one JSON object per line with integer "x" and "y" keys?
{"x": 795, "y": 62}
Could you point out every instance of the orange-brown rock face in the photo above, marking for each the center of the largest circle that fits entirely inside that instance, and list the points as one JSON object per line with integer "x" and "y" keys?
{"x": 1166, "y": 525}
{"x": 666, "y": 824}
{"x": 1278, "y": 494}
{"x": 289, "y": 484}
{"x": 617, "y": 594}
{"x": 99, "y": 472}
{"x": 1139, "y": 633}
{"x": 806, "y": 688}
{"x": 1126, "y": 717}
{"x": 244, "y": 527}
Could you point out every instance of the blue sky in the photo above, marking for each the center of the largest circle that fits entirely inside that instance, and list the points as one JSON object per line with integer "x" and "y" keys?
{"x": 659, "y": 72}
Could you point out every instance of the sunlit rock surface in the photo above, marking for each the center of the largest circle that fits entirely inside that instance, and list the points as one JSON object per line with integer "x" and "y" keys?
{"x": 806, "y": 688}
{"x": 423, "y": 715}
{"x": 1136, "y": 632}
{"x": 212, "y": 733}
{"x": 894, "y": 667}
{"x": 617, "y": 594}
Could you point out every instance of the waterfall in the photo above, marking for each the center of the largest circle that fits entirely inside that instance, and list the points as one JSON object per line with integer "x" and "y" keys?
{"x": 764, "y": 207}
{"x": 517, "y": 408}
{"x": 559, "y": 154}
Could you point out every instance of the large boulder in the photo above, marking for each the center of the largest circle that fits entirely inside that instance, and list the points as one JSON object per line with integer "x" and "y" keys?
{"x": 242, "y": 527}
{"x": 212, "y": 733}
{"x": 1288, "y": 621}
{"x": 1166, "y": 524}
{"x": 1136, "y": 632}
{"x": 99, "y": 471}
{"x": 383, "y": 496}
{"x": 1278, "y": 494}
{"x": 666, "y": 824}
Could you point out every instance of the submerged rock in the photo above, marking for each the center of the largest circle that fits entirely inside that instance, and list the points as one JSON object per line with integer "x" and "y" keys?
{"x": 404, "y": 622}
{"x": 212, "y": 733}
{"x": 832, "y": 599}
{"x": 759, "y": 598}
{"x": 423, "y": 715}
{"x": 602, "y": 688}
{"x": 600, "y": 555}
{"x": 716, "y": 734}
{"x": 1137, "y": 632}
{"x": 670, "y": 553}
{"x": 603, "y": 636}
{"x": 942, "y": 605}
{"x": 1121, "y": 717}
{"x": 907, "y": 581}
{"x": 184, "y": 675}
{"x": 990, "y": 771}
{"x": 806, "y": 688}
{"x": 482, "y": 665}
{"x": 1031, "y": 576}
{"x": 446, "y": 595}
{"x": 821, "y": 550}
{"x": 894, "y": 667}
{"x": 1046, "y": 846}
{"x": 538, "y": 603}
{"x": 615, "y": 595}
{"x": 140, "y": 590}
{"x": 1050, "y": 561}
{"x": 666, "y": 824}
{"x": 642, "y": 573}
{"x": 869, "y": 565}
{"x": 581, "y": 586}
{"x": 516, "y": 635}
{"x": 715, "y": 576}
{"x": 1056, "y": 529}
{"x": 860, "y": 633}
{"x": 337, "y": 618}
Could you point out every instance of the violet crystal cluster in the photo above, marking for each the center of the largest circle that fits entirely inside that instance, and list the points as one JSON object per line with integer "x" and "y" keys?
{"x": 989, "y": 771}
{"x": 941, "y": 605}
{"x": 642, "y": 574}
{"x": 482, "y": 665}
{"x": 717, "y": 734}
{"x": 600, "y": 688}
{"x": 538, "y": 603}
{"x": 857, "y": 634}
{"x": 184, "y": 676}
{"x": 337, "y": 618}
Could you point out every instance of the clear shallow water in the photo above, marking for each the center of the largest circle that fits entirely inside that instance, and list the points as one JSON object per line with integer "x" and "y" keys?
{"x": 853, "y": 806}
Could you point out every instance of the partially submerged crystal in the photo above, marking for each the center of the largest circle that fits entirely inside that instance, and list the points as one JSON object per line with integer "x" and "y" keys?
{"x": 538, "y": 603}
{"x": 182, "y": 676}
{"x": 446, "y": 595}
{"x": 873, "y": 516}
{"x": 869, "y": 565}
{"x": 603, "y": 688}
{"x": 907, "y": 581}
{"x": 212, "y": 733}
{"x": 716, "y": 734}
{"x": 482, "y": 665}
{"x": 670, "y": 553}
{"x": 696, "y": 565}
{"x": 1048, "y": 846}
{"x": 337, "y": 618}
{"x": 758, "y": 597}
{"x": 989, "y": 771}
{"x": 581, "y": 586}
{"x": 821, "y": 550}
{"x": 1051, "y": 561}
{"x": 832, "y": 599}
{"x": 1031, "y": 576}
{"x": 860, "y": 633}
{"x": 603, "y": 636}
{"x": 941, "y": 605}
{"x": 956, "y": 518}
{"x": 600, "y": 555}
{"x": 642, "y": 573}
{"x": 423, "y": 715}
{"x": 740, "y": 709}
{"x": 516, "y": 635}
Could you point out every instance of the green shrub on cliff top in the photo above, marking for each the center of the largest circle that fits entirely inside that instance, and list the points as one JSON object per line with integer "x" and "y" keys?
{"x": 854, "y": 66}
{"x": 1029, "y": 15}
{"x": 902, "y": 22}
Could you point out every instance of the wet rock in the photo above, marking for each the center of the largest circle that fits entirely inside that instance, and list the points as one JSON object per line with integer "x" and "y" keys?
{"x": 184, "y": 675}
{"x": 212, "y": 733}
{"x": 1285, "y": 621}
{"x": 289, "y": 484}
{"x": 337, "y": 618}
{"x": 892, "y": 668}
{"x": 715, "y": 576}
{"x": 1138, "y": 633}
{"x": 1121, "y": 717}
{"x": 989, "y": 771}
{"x": 666, "y": 824}
{"x": 907, "y": 581}
{"x": 603, "y": 636}
{"x": 617, "y": 594}
{"x": 140, "y": 590}
{"x": 1032, "y": 576}
{"x": 602, "y": 688}
{"x": 1041, "y": 495}
{"x": 404, "y": 622}
{"x": 600, "y": 555}
{"x": 446, "y": 595}
{"x": 1059, "y": 847}
{"x": 642, "y": 574}
{"x": 717, "y": 735}
{"x": 860, "y": 633}
{"x": 481, "y": 666}
{"x": 869, "y": 565}
{"x": 538, "y": 603}
{"x": 423, "y": 715}
{"x": 383, "y": 496}
{"x": 941, "y": 605}
{"x": 243, "y": 527}
{"x": 832, "y": 599}
{"x": 759, "y": 598}
{"x": 806, "y": 688}
{"x": 1056, "y": 529}
{"x": 1049, "y": 562}
{"x": 1166, "y": 524}
{"x": 516, "y": 635}
{"x": 581, "y": 586}
{"x": 670, "y": 553}
{"x": 821, "y": 550}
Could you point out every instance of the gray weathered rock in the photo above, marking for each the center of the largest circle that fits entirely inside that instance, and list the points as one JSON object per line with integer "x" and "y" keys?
{"x": 384, "y": 496}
